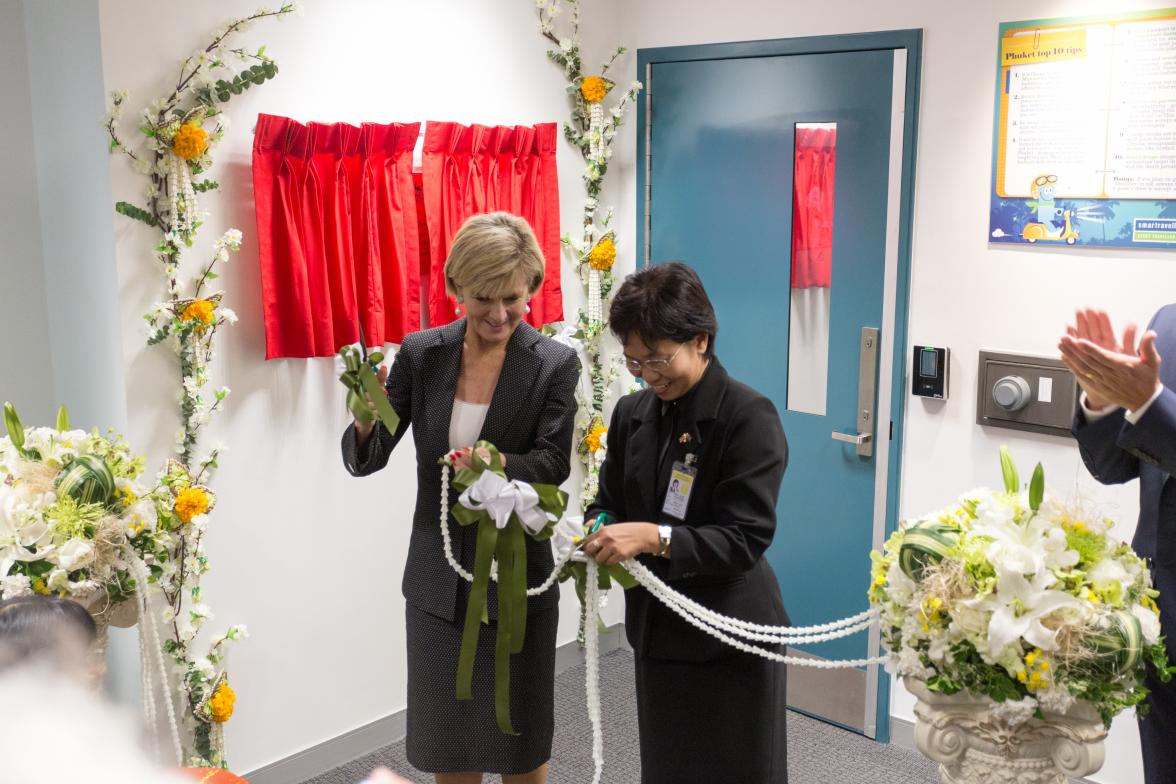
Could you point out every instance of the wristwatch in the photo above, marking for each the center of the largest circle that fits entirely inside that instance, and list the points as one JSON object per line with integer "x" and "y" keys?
{"x": 663, "y": 540}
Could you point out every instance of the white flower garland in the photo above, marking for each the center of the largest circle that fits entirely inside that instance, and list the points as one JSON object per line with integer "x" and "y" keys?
{"x": 592, "y": 665}
{"x": 715, "y": 624}
{"x": 149, "y": 628}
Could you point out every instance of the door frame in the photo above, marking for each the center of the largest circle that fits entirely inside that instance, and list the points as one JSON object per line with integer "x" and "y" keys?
{"x": 911, "y": 41}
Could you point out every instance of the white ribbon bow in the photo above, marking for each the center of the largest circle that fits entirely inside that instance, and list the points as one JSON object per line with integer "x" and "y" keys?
{"x": 500, "y": 498}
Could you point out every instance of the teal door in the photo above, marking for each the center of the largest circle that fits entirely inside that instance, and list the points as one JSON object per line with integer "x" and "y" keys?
{"x": 780, "y": 170}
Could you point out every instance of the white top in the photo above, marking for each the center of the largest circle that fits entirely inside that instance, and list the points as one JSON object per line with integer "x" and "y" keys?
{"x": 465, "y": 425}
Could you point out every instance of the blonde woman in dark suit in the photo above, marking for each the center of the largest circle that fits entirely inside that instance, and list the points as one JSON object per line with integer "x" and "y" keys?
{"x": 488, "y": 376}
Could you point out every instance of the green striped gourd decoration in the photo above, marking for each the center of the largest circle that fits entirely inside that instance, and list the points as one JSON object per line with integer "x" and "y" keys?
{"x": 1121, "y": 642}
{"x": 925, "y": 544}
{"x": 88, "y": 480}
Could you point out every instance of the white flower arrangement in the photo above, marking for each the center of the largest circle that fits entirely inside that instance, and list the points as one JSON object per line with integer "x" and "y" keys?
{"x": 1023, "y": 598}
{"x": 73, "y": 513}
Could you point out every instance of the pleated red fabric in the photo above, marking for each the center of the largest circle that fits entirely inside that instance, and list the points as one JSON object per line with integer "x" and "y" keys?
{"x": 477, "y": 168}
{"x": 336, "y": 225}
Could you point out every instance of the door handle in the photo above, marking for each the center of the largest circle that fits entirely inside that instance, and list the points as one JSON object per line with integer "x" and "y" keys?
{"x": 858, "y": 439}
{"x": 863, "y": 439}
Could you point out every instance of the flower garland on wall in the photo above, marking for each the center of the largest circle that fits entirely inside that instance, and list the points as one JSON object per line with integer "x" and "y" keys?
{"x": 175, "y": 155}
{"x": 592, "y": 131}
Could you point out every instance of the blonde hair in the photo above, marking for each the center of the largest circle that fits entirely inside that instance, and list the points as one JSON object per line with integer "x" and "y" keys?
{"x": 491, "y": 253}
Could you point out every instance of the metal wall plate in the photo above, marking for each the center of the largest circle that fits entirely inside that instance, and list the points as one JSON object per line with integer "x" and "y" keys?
{"x": 1048, "y": 406}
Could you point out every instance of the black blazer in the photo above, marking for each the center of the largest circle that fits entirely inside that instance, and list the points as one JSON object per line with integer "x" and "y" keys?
{"x": 530, "y": 419}
{"x": 717, "y": 551}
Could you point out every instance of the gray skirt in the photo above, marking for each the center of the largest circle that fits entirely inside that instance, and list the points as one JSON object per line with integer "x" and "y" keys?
{"x": 450, "y": 736}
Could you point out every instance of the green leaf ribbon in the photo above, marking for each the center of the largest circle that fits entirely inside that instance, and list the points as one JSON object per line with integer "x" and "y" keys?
{"x": 509, "y": 548}
{"x": 362, "y": 384}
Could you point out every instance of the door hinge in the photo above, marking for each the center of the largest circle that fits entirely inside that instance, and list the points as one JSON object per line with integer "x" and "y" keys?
{"x": 892, "y": 430}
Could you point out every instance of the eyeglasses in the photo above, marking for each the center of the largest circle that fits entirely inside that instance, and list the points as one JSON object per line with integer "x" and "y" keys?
{"x": 635, "y": 366}
{"x": 1045, "y": 179}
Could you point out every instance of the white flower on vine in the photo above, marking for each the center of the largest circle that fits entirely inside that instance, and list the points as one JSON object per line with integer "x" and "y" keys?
{"x": 204, "y": 667}
{"x": 168, "y": 614}
{"x": 229, "y": 315}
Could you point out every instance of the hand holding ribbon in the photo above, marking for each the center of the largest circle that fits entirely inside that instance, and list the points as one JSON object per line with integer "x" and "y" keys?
{"x": 364, "y": 391}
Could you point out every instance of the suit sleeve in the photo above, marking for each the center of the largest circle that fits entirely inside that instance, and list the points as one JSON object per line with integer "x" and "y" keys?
{"x": 1153, "y": 438}
{"x": 375, "y": 453}
{"x": 744, "y": 501}
{"x": 610, "y": 491}
{"x": 549, "y": 461}
{"x": 1098, "y": 443}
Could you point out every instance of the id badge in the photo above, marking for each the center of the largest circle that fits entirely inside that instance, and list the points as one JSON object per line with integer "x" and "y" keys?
{"x": 678, "y": 493}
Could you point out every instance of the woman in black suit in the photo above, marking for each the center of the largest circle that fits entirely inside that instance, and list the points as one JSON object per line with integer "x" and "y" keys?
{"x": 488, "y": 376}
{"x": 706, "y": 712}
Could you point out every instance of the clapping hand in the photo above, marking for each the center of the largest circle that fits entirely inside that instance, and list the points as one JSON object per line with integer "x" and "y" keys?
{"x": 1111, "y": 372}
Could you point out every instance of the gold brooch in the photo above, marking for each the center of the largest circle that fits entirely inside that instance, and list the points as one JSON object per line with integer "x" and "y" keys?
{"x": 684, "y": 438}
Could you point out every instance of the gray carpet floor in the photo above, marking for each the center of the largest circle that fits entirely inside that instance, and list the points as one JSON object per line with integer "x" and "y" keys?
{"x": 817, "y": 752}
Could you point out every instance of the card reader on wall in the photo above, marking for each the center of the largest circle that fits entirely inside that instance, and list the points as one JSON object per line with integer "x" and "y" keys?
{"x": 930, "y": 377}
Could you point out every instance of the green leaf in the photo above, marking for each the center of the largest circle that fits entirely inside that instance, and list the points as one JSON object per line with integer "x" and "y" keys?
{"x": 1037, "y": 488}
{"x": 137, "y": 213}
{"x": 1008, "y": 469}
{"x": 205, "y": 185}
{"x": 62, "y": 419}
{"x": 15, "y": 428}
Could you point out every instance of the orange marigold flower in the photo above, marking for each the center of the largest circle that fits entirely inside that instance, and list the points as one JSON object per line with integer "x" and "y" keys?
{"x": 593, "y": 88}
{"x": 190, "y": 502}
{"x": 604, "y": 255}
{"x": 190, "y": 141}
{"x": 221, "y": 705}
{"x": 199, "y": 311}
{"x": 592, "y": 440}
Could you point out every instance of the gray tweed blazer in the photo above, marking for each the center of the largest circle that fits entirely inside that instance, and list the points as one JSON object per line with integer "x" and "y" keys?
{"x": 531, "y": 419}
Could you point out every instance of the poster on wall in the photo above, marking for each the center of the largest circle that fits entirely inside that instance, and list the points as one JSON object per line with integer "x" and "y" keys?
{"x": 1084, "y": 149}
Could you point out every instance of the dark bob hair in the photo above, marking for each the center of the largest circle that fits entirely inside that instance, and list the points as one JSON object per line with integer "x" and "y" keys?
{"x": 663, "y": 302}
{"x": 43, "y": 629}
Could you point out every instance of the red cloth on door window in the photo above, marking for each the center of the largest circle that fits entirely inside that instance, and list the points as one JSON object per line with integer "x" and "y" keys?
{"x": 474, "y": 169}
{"x": 812, "y": 207}
{"x": 336, "y": 225}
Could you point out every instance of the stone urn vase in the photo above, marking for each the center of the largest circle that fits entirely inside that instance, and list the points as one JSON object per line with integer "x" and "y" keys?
{"x": 974, "y": 746}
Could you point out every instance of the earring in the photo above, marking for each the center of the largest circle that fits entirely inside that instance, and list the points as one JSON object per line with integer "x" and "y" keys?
{"x": 457, "y": 310}
{"x": 528, "y": 308}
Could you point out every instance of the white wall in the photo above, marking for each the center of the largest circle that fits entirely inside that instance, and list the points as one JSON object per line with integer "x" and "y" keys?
{"x": 964, "y": 294}
{"x": 307, "y": 556}
{"x": 26, "y": 375}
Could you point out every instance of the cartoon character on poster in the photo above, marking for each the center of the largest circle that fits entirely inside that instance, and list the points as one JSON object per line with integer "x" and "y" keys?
{"x": 1053, "y": 224}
